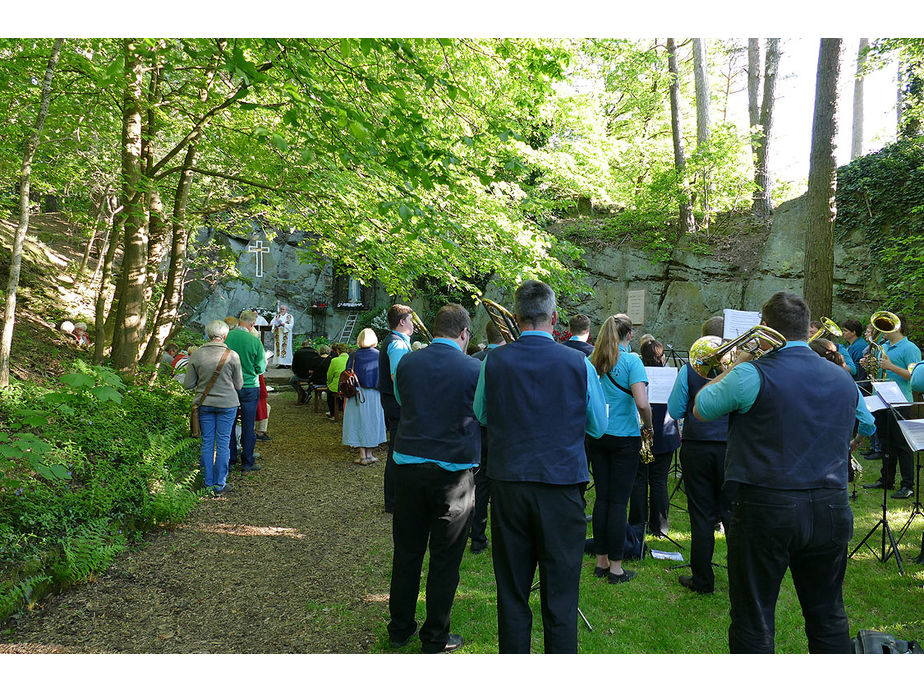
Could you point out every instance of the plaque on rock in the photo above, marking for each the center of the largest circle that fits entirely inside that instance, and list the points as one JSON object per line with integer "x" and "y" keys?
{"x": 636, "y": 308}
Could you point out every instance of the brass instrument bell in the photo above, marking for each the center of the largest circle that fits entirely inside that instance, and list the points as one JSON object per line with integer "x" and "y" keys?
{"x": 420, "y": 328}
{"x": 503, "y": 320}
{"x": 709, "y": 356}
{"x": 828, "y": 327}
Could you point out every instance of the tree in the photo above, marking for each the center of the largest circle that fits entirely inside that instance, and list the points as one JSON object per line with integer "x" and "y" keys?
{"x": 701, "y": 79}
{"x": 818, "y": 270}
{"x": 687, "y": 223}
{"x": 763, "y": 205}
{"x": 25, "y": 181}
{"x": 856, "y": 148}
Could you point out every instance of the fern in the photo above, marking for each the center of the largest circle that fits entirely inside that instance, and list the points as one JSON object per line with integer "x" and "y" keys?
{"x": 16, "y": 596}
{"x": 172, "y": 501}
{"x": 88, "y": 550}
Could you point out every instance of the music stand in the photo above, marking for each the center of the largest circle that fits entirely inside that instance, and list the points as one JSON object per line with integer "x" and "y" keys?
{"x": 913, "y": 432}
{"x": 676, "y": 357}
{"x": 883, "y": 522}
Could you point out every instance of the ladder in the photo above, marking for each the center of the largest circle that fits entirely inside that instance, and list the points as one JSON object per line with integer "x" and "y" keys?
{"x": 346, "y": 334}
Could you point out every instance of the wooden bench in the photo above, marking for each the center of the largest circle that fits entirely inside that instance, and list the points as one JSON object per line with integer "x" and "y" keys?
{"x": 338, "y": 401}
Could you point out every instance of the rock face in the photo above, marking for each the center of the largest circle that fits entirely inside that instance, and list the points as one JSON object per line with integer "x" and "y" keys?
{"x": 685, "y": 290}
{"x": 680, "y": 292}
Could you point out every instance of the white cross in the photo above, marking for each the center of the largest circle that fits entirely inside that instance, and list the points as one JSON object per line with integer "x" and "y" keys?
{"x": 258, "y": 249}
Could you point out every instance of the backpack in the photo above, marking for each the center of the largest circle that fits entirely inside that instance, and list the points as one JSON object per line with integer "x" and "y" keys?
{"x": 348, "y": 385}
{"x": 873, "y": 642}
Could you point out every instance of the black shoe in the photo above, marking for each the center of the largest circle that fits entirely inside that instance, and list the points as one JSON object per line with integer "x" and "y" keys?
{"x": 398, "y": 644}
{"x": 872, "y": 455}
{"x": 252, "y": 468}
{"x": 479, "y": 547}
{"x": 687, "y": 581}
{"x": 615, "y": 579}
{"x": 454, "y": 643}
{"x": 877, "y": 484}
{"x": 263, "y": 436}
{"x": 223, "y": 490}
{"x": 903, "y": 492}
{"x": 601, "y": 572}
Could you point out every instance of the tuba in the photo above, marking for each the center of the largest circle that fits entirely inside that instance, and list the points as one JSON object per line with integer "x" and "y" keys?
{"x": 420, "y": 328}
{"x": 503, "y": 320}
{"x": 884, "y": 323}
{"x": 710, "y": 357}
{"x": 828, "y": 327}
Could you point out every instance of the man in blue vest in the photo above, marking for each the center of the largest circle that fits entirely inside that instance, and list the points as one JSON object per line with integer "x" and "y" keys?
{"x": 579, "y": 327}
{"x": 396, "y": 344}
{"x": 788, "y": 446}
{"x": 702, "y": 459}
{"x": 538, "y": 399}
{"x": 437, "y": 445}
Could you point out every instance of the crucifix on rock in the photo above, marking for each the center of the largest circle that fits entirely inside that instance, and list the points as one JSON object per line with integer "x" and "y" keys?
{"x": 258, "y": 249}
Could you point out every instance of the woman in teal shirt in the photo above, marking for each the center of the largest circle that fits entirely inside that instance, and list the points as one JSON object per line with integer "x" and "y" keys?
{"x": 614, "y": 458}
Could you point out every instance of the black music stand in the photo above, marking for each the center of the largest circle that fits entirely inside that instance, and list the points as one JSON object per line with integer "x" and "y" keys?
{"x": 883, "y": 522}
{"x": 913, "y": 432}
{"x": 676, "y": 357}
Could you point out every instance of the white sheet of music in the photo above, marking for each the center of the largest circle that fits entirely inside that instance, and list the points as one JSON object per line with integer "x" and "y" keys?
{"x": 660, "y": 383}
{"x": 913, "y": 430}
{"x": 890, "y": 392}
{"x": 874, "y": 403}
{"x": 739, "y": 321}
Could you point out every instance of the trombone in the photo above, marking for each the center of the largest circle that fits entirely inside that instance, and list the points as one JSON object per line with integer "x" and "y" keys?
{"x": 420, "y": 328}
{"x": 503, "y": 320}
{"x": 828, "y": 327}
{"x": 709, "y": 356}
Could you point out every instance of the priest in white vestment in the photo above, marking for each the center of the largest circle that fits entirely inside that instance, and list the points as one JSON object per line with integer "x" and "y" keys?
{"x": 282, "y": 326}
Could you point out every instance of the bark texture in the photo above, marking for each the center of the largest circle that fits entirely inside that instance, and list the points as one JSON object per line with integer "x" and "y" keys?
{"x": 856, "y": 148}
{"x": 680, "y": 162}
{"x": 763, "y": 204}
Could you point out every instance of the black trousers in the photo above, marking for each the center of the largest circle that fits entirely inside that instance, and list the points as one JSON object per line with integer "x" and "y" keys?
{"x": 649, "y": 501}
{"x": 482, "y": 496}
{"x": 432, "y": 506}
{"x": 895, "y": 449}
{"x": 391, "y": 426}
{"x": 708, "y": 501}
{"x": 537, "y": 524}
{"x": 805, "y": 531}
{"x": 614, "y": 460}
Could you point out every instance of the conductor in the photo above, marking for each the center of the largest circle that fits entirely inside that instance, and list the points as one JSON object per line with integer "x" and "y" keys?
{"x": 788, "y": 446}
{"x": 537, "y": 399}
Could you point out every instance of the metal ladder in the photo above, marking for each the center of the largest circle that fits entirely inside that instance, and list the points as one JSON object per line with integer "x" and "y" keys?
{"x": 346, "y": 334}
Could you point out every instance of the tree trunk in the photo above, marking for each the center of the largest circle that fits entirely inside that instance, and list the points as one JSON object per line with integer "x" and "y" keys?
{"x": 97, "y": 225}
{"x": 763, "y": 204}
{"x": 108, "y": 254}
{"x": 680, "y": 162}
{"x": 19, "y": 238}
{"x": 856, "y": 149}
{"x": 754, "y": 83}
{"x": 701, "y": 80}
{"x": 131, "y": 314}
{"x": 822, "y": 184}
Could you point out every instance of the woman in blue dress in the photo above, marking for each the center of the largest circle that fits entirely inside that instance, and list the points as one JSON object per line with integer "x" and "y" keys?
{"x": 614, "y": 458}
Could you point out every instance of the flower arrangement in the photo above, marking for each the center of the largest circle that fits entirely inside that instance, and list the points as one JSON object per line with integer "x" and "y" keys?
{"x": 561, "y": 335}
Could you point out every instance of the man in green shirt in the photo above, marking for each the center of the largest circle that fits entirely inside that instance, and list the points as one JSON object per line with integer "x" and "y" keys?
{"x": 253, "y": 363}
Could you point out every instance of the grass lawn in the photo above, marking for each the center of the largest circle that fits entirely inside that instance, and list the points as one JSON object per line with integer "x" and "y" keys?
{"x": 654, "y": 614}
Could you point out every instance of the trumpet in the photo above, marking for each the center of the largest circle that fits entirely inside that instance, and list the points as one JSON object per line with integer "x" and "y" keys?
{"x": 709, "y": 356}
{"x": 828, "y": 327}
{"x": 420, "y": 327}
{"x": 503, "y": 320}
{"x": 884, "y": 323}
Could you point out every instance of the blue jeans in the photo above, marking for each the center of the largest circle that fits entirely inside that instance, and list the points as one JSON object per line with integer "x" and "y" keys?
{"x": 805, "y": 531}
{"x": 249, "y": 397}
{"x": 216, "y": 424}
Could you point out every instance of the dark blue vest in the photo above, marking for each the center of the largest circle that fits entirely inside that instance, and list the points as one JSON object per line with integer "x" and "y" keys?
{"x": 583, "y": 347}
{"x": 437, "y": 387}
{"x": 797, "y": 433}
{"x": 666, "y": 434}
{"x": 693, "y": 428}
{"x": 536, "y": 401}
{"x": 384, "y": 384}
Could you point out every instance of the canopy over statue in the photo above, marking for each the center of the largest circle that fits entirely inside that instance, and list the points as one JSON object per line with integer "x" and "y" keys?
{"x": 282, "y": 325}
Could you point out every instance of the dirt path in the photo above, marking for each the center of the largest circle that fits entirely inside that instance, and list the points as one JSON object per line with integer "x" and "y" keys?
{"x": 295, "y": 559}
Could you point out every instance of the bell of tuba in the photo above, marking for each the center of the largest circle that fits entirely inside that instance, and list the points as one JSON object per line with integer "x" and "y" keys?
{"x": 828, "y": 327}
{"x": 710, "y": 357}
{"x": 503, "y": 320}
{"x": 884, "y": 323}
{"x": 420, "y": 327}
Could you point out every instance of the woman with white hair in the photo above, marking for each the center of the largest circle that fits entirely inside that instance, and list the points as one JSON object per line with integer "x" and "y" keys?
{"x": 363, "y": 419}
{"x": 214, "y": 371}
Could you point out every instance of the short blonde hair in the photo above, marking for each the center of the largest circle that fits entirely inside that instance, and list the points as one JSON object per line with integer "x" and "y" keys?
{"x": 231, "y": 321}
{"x": 367, "y": 338}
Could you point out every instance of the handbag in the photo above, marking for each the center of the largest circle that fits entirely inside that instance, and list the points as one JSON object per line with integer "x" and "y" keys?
{"x": 348, "y": 385}
{"x": 195, "y": 430}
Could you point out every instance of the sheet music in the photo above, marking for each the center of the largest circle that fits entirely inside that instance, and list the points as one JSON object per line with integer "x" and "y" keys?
{"x": 739, "y": 321}
{"x": 660, "y": 383}
{"x": 874, "y": 403}
{"x": 913, "y": 430}
{"x": 890, "y": 392}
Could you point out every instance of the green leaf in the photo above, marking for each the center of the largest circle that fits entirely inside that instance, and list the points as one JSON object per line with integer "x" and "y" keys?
{"x": 365, "y": 45}
{"x": 4, "y": 437}
{"x": 359, "y": 131}
{"x": 78, "y": 381}
{"x": 104, "y": 393}
{"x": 10, "y": 452}
{"x": 280, "y": 142}
{"x": 345, "y": 48}
{"x": 405, "y": 212}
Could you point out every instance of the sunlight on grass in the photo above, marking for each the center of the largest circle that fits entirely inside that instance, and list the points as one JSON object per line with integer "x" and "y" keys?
{"x": 246, "y": 530}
